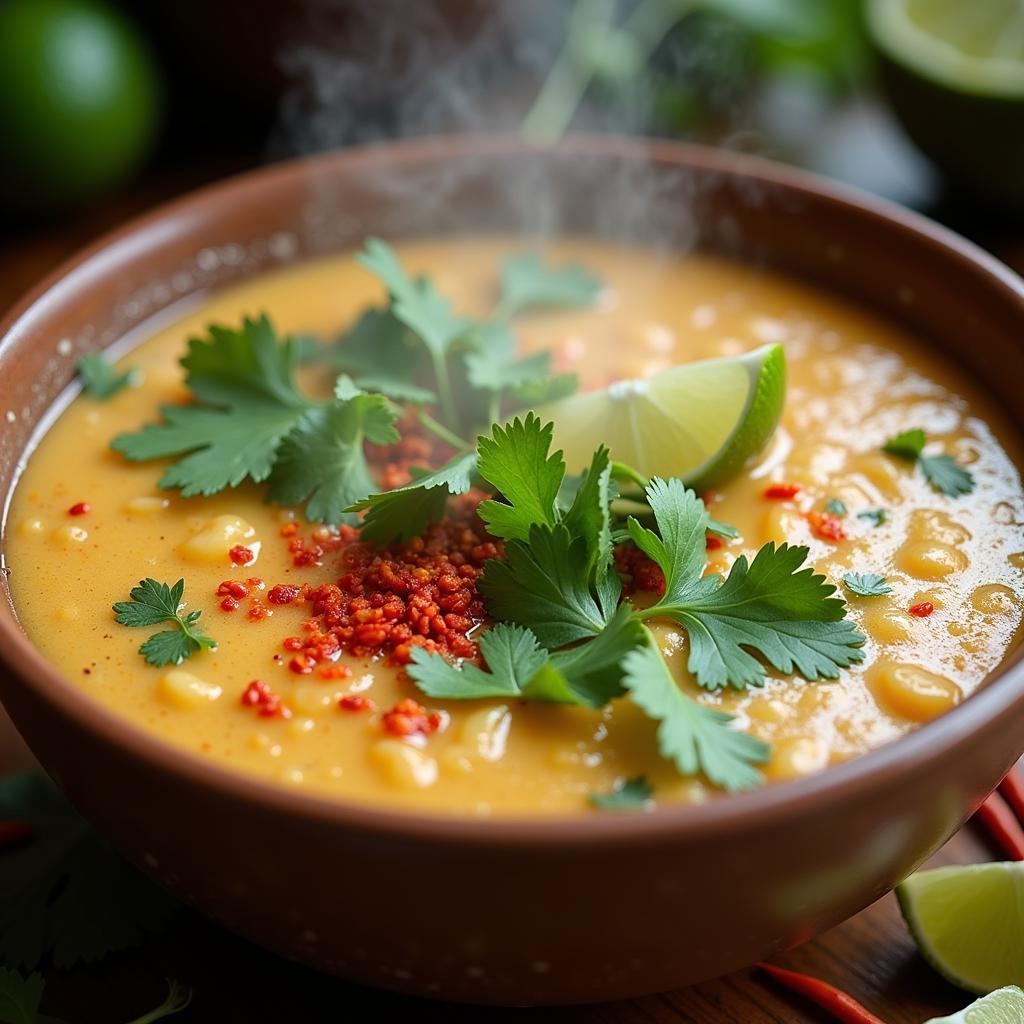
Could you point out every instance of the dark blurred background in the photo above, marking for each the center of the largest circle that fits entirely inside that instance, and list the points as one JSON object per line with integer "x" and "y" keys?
{"x": 107, "y": 107}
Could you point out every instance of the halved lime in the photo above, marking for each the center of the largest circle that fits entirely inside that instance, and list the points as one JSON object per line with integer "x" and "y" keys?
{"x": 969, "y": 922}
{"x": 700, "y": 421}
{"x": 954, "y": 72}
{"x": 1004, "y": 1006}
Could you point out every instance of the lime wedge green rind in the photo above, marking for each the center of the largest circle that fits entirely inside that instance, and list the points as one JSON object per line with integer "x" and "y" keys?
{"x": 1004, "y": 1006}
{"x": 969, "y": 923}
{"x": 975, "y": 47}
{"x": 701, "y": 422}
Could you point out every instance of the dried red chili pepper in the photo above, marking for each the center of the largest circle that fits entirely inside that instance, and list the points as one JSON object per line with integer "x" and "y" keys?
{"x": 1012, "y": 790}
{"x": 922, "y": 610}
{"x": 1003, "y": 828}
{"x": 781, "y": 492}
{"x": 80, "y": 508}
{"x": 837, "y": 1002}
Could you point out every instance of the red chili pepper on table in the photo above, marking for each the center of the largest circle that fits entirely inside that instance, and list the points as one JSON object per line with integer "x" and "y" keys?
{"x": 995, "y": 816}
{"x": 1012, "y": 790}
{"x": 842, "y": 1006}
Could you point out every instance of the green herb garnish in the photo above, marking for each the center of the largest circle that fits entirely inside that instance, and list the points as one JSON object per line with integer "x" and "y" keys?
{"x": 631, "y": 795}
{"x": 572, "y": 641}
{"x": 877, "y": 516}
{"x": 528, "y": 283}
{"x": 943, "y": 472}
{"x": 152, "y": 603}
{"x": 99, "y": 379}
{"x": 867, "y": 584}
{"x": 835, "y": 507}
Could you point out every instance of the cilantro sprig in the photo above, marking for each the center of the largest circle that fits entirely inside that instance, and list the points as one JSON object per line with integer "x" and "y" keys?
{"x": 563, "y": 634}
{"x": 153, "y": 603}
{"x": 632, "y": 795}
{"x": 99, "y": 379}
{"x": 943, "y": 472}
{"x": 866, "y": 584}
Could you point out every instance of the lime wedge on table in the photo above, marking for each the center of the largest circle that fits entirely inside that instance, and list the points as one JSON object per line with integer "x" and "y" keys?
{"x": 1004, "y": 1006}
{"x": 969, "y": 922}
{"x": 699, "y": 421}
{"x": 954, "y": 73}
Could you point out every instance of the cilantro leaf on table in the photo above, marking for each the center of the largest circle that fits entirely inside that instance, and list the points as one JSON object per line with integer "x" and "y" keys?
{"x": 943, "y": 472}
{"x": 245, "y": 382}
{"x": 695, "y": 738}
{"x": 403, "y": 513}
{"x": 381, "y": 354}
{"x": 322, "y": 460}
{"x": 633, "y": 795}
{"x": 515, "y": 460}
{"x": 20, "y": 997}
{"x": 867, "y": 584}
{"x": 527, "y": 282}
{"x": 513, "y": 658}
{"x": 99, "y": 379}
{"x": 771, "y": 605}
{"x": 152, "y": 603}
{"x": 67, "y": 893}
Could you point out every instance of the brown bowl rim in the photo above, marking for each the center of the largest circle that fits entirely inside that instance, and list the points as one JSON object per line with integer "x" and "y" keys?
{"x": 770, "y": 804}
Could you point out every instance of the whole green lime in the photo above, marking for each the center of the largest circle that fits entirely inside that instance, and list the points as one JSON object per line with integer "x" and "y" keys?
{"x": 79, "y": 101}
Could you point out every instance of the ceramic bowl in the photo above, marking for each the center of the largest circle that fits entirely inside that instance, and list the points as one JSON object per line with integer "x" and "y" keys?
{"x": 515, "y": 911}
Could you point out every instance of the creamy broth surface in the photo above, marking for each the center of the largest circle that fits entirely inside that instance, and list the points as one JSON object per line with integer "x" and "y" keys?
{"x": 854, "y": 381}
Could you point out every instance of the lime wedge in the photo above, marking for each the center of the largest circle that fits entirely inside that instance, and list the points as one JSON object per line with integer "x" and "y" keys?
{"x": 701, "y": 421}
{"x": 969, "y": 923}
{"x": 953, "y": 71}
{"x": 1004, "y": 1006}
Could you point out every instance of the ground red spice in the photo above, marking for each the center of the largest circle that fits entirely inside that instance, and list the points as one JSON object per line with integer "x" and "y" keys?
{"x": 283, "y": 593}
{"x": 241, "y": 555}
{"x": 258, "y": 611}
{"x": 229, "y": 604}
{"x": 638, "y": 572}
{"x": 335, "y": 672}
{"x": 410, "y": 718}
{"x": 356, "y": 702}
{"x": 826, "y": 526}
{"x": 781, "y": 492}
{"x": 422, "y": 593}
{"x": 80, "y": 508}
{"x": 229, "y": 588}
{"x": 922, "y": 610}
{"x": 259, "y": 695}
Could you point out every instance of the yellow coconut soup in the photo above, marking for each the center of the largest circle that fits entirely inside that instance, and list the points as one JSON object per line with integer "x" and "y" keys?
{"x": 86, "y": 525}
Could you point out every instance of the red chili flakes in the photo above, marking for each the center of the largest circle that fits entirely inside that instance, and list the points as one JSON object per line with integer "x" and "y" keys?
{"x": 258, "y": 611}
{"x": 310, "y": 551}
{"x": 826, "y": 526}
{"x": 289, "y": 529}
{"x": 422, "y": 593}
{"x": 302, "y": 665}
{"x": 781, "y": 492}
{"x": 241, "y": 555}
{"x": 283, "y": 593}
{"x": 259, "y": 695}
{"x": 229, "y": 588}
{"x": 80, "y": 508}
{"x": 638, "y": 572}
{"x": 356, "y": 702}
{"x": 408, "y": 718}
{"x": 922, "y": 610}
{"x": 229, "y": 604}
{"x": 335, "y": 672}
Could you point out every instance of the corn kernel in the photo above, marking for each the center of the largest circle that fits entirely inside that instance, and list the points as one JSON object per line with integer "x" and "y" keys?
{"x": 31, "y": 527}
{"x": 887, "y": 625}
{"x": 796, "y": 756}
{"x": 404, "y": 765}
{"x": 70, "y": 536}
{"x": 995, "y": 599}
{"x": 912, "y": 692}
{"x": 930, "y": 560}
{"x": 186, "y": 690}
{"x": 485, "y": 733}
{"x": 216, "y": 536}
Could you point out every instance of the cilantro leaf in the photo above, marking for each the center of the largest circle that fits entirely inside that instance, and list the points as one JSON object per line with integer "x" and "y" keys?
{"x": 866, "y": 584}
{"x": 151, "y": 603}
{"x": 513, "y": 658}
{"x": 877, "y": 516}
{"x": 179, "y": 996}
{"x": 246, "y": 382}
{"x": 771, "y": 606}
{"x": 322, "y": 459}
{"x": 404, "y": 512}
{"x": 943, "y": 472}
{"x": 99, "y": 379}
{"x": 835, "y": 507}
{"x": 720, "y": 529}
{"x": 20, "y": 997}
{"x": 907, "y": 445}
{"x": 696, "y": 738}
{"x": 67, "y": 893}
{"x": 545, "y": 584}
{"x": 946, "y": 475}
{"x": 516, "y": 462}
{"x": 631, "y": 795}
{"x": 493, "y": 362}
{"x": 381, "y": 354}
{"x": 589, "y": 515}
{"x": 535, "y": 392}
{"x": 528, "y": 283}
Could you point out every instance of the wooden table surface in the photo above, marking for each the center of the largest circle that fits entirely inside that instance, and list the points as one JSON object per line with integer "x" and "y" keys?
{"x": 871, "y": 956}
